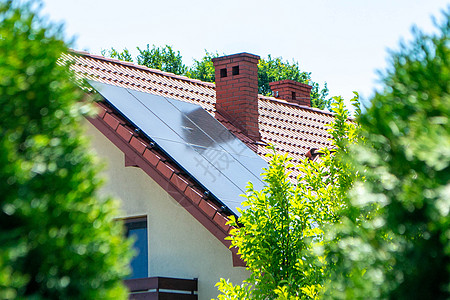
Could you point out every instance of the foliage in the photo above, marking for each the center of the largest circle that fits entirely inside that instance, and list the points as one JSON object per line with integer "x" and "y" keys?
{"x": 281, "y": 224}
{"x": 56, "y": 240}
{"x": 274, "y": 69}
{"x": 125, "y": 55}
{"x": 203, "y": 69}
{"x": 162, "y": 58}
{"x": 319, "y": 97}
{"x": 403, "y": 252}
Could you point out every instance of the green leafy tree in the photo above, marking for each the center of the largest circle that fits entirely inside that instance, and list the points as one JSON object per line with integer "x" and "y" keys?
{"x": 403, "y": 252}
{"x": 282, "y": 224}
{"x": 203, "y": 69}
{"x": 274, "y": 69}
{"x": 125, "y": 55}
{"x": 162, "y": 58}
{"x": 57, "y": 241}
{"x": 319, "y": 96}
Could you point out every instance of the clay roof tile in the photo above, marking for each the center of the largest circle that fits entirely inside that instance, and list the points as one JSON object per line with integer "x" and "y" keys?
{"x": 293, "y": 128}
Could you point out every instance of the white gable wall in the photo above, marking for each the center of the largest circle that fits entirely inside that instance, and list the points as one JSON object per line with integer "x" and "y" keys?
{"x": 179, "y": 246}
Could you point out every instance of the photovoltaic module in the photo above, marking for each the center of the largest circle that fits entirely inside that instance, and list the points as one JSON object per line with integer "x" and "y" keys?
{"x": 195, "y": 140}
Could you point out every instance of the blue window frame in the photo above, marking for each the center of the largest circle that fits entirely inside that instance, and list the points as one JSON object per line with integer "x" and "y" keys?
{"x": 137, "y": 229}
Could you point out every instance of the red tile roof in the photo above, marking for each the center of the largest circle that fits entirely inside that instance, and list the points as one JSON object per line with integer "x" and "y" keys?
{"x": 291, "y": 128}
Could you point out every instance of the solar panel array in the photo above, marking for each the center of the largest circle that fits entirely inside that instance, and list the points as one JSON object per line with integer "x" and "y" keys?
{"x": 196, "y": 141}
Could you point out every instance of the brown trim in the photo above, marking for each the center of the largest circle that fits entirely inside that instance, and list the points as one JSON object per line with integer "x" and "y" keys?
{"x": 133, "y": 155}
{"x": 132, "y": 219}
{"x": 237, "y": 260}
{"x": 140, "y": 153}
{"x": 167, "y": 283}
{"x": 129, "y": 162}
{"x": 162, "y": 288}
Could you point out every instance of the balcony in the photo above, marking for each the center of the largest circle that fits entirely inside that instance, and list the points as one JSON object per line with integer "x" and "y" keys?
{"x": 162, "y": 288}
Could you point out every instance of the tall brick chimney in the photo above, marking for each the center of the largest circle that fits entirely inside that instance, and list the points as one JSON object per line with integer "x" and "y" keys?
{"x": 237, "y": 91}
{"x": 292, "y": 91}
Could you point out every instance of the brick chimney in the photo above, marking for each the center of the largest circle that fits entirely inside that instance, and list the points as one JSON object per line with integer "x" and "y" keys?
{"x": 237, "y": 91}
{"x": 292, "y": 91}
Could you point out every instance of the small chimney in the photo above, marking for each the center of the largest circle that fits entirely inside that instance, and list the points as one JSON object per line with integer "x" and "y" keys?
{"x": 292, "y": 91}
{"x": 237, "y": 91}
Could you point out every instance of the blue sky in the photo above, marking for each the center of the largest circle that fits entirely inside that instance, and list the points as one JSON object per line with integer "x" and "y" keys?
{"x": 340, "y": 42}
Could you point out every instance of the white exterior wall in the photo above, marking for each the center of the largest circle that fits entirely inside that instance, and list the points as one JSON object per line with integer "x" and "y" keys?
{"x": 179, "y": 246}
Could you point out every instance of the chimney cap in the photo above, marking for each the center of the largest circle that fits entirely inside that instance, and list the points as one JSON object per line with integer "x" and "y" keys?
{"x": 244, "y": 56}
{"x": 289, "y": 83}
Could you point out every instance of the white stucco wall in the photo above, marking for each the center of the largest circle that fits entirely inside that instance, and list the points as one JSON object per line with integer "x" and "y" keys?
{"x": 179, "y": 246}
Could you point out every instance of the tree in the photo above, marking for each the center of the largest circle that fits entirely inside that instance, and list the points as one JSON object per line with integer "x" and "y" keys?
{"x": 403, "y": 252}
{"x": 125, "y": 55}
{"x": 57, "y": 240}
{"x": 274, "y": 69}
{"x": 282, "y": 224}
{"x": 203, "y": 69}
{"x": 162, "y": 58}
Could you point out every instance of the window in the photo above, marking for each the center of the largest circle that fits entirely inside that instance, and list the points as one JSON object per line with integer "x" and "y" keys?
{"x": 235, "y": 70}
{"x": 223, "y": 73}
{"x": 137, "y": 228}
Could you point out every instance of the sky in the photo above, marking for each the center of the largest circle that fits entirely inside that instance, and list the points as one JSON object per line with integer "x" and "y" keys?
{"x": 342, "y": 43}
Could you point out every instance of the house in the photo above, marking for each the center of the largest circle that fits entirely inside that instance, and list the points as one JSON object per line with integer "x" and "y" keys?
{"x": 180, "y": 151}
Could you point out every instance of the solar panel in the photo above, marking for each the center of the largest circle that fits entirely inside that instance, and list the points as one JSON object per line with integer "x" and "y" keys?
{"x": 196, "y": 141}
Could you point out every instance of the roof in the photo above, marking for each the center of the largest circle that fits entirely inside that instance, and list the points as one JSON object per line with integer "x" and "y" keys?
{"x": 291, "y": 128}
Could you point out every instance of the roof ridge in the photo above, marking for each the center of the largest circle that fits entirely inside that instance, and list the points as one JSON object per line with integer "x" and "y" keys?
{"x": 185, "y": 78}
{"x": 284, "y": 102}
{"x": 144, "y": 68}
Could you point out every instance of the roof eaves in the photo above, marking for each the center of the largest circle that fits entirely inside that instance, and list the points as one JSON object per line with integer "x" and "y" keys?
{"x": 140, "y": 153}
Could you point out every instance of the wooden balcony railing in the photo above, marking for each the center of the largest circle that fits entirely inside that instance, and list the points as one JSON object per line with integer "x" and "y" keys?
{"x": 162, "y": 288}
